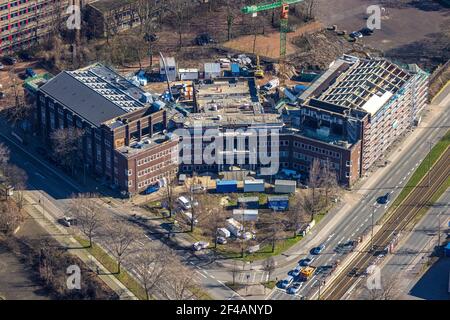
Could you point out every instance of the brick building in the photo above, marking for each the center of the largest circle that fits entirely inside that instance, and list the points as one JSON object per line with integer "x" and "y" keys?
{"x": 125, "y": 140}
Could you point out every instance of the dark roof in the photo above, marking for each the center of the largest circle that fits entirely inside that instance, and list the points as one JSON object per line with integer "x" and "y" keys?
{"x": 81, "y": 99}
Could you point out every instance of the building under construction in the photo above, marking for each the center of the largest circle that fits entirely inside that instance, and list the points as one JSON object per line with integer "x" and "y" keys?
{"x": 362, "y": 107}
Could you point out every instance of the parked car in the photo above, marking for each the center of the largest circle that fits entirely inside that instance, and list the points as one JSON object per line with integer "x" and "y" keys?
{"x": 2, "y": 95}
{"x": 184, "y": 202}
{"x": 200, "y": 245}
{"x": 319, "y": 249}
{"x": 30, "y": 72}
{"x": 295, "y": 288}
{"x": 366, "y": 31}
{"x": 197, "y": 188}
{"x": 25, "y": 56}
{"x": 356, "y": 35}
{"x": 151, "y": 37}
{"x": 1, "y": 66}
{"x": 10, "y": 60}
{"x": 204, "y": 39}
{"x": 287, "y": 282}
{"x": 305, "y": 262}
{"x": 68, "y": 221}
{"x": 384, "y": 199}
{"x": 221, "y": 240}
{"x": 296, "y": 271}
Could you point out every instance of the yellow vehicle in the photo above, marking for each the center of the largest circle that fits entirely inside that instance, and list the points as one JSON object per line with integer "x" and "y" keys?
{"x": 259, "y": 72}
{"x": 307, "y": 272}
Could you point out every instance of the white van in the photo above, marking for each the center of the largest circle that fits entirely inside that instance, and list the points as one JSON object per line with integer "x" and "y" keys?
{"x": 185, "y": 203}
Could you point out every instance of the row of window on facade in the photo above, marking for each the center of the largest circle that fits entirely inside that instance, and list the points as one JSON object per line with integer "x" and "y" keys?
{"x": 154, "y": 168}
{"x": 156, "y": 156}
{"x": 153, "y": 180}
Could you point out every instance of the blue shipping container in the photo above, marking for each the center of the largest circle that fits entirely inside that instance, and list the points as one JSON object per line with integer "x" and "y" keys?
{"x": 226, "y": 186}
{"x": 235, "y": 70}
{"x": 278, "y": 203}
{"x": 447, "y": 250}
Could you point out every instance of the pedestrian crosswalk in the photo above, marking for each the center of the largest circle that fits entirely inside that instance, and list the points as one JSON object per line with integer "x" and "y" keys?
{"x": 252, "y": 277}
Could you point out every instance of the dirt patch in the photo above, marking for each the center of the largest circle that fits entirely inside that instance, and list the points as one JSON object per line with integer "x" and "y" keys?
{"x": 269, "y": 45}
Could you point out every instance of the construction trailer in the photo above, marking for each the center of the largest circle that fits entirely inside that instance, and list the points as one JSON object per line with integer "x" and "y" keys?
{"x": 245, "y": 214}
{"x": 212, "y": 71}
{"x": 248, "y": 202}
{"x": 188, "y": 74}
{"x": 171, "y": 68}
{"x": 285, "y": 186}
{"x": 254, "y": 185}
{"x": 226, "y": 186}
{"x": 234, "y": 227}
{"x": 278, "y": 203}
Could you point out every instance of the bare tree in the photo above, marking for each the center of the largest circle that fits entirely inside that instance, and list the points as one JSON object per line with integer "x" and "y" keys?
{"x": 120, "y": 237}
{"x": 180, "y": 12}
{"x": 297, "y": 213}
{"x": 234, "y": 272}
{"x": 310, "y": 8}
{"x": 10, "y": 216}
{"x": 269, "y": 266}
{"x": 88, "y": 211}
{"x": 179, "y": 284}
{"x": 329, "y": 180}
{"x": 66, "y": 146}
{"x": 4, "y": 155}
{"x": 17, "y": 178}
{"x": 151, "y": 268}
{"x": 387, "y": 291}
{"x": 314, "y": 182}
{"x": 169, "y": 194}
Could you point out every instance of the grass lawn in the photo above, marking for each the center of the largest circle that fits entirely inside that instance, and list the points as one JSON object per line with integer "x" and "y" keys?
{"x": 433, "y": 200}
{"x": 111, "y": 265}
{"x": 269, "y": 284}
{"x": 422, "y": 170}
{"x": 266, "y": 251}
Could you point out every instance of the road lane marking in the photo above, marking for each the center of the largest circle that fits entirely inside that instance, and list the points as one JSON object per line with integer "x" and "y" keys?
{"x": 201, "y": 274}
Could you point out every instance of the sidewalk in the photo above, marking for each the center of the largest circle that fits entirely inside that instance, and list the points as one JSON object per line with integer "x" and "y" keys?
{"x": 61, "y": 235}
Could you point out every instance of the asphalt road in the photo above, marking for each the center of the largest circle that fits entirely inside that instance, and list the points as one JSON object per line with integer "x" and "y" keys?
{"x": 359, "y": 219}
{"x": 54, "y": 189}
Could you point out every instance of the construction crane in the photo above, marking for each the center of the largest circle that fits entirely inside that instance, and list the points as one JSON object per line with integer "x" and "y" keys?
{"x": 284, "y": 18}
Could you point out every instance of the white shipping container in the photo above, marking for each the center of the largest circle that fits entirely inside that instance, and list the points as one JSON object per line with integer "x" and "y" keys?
{"x": 188, "y": 74}
{"x": 254, "y": 185}
{"x": 245, "y": 215}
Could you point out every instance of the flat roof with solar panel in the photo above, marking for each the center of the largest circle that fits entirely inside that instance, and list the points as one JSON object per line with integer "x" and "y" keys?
{"x": 97, "y": 93}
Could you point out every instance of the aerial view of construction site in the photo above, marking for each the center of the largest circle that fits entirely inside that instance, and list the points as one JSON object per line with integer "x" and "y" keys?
{"x": 212, "y": 150}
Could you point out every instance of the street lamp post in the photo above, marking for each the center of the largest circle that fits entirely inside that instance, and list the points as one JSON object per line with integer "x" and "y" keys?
{"x": 372, "y": 223}
{"x": 439, "y": 229}
{"x": 429, "y": 164}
